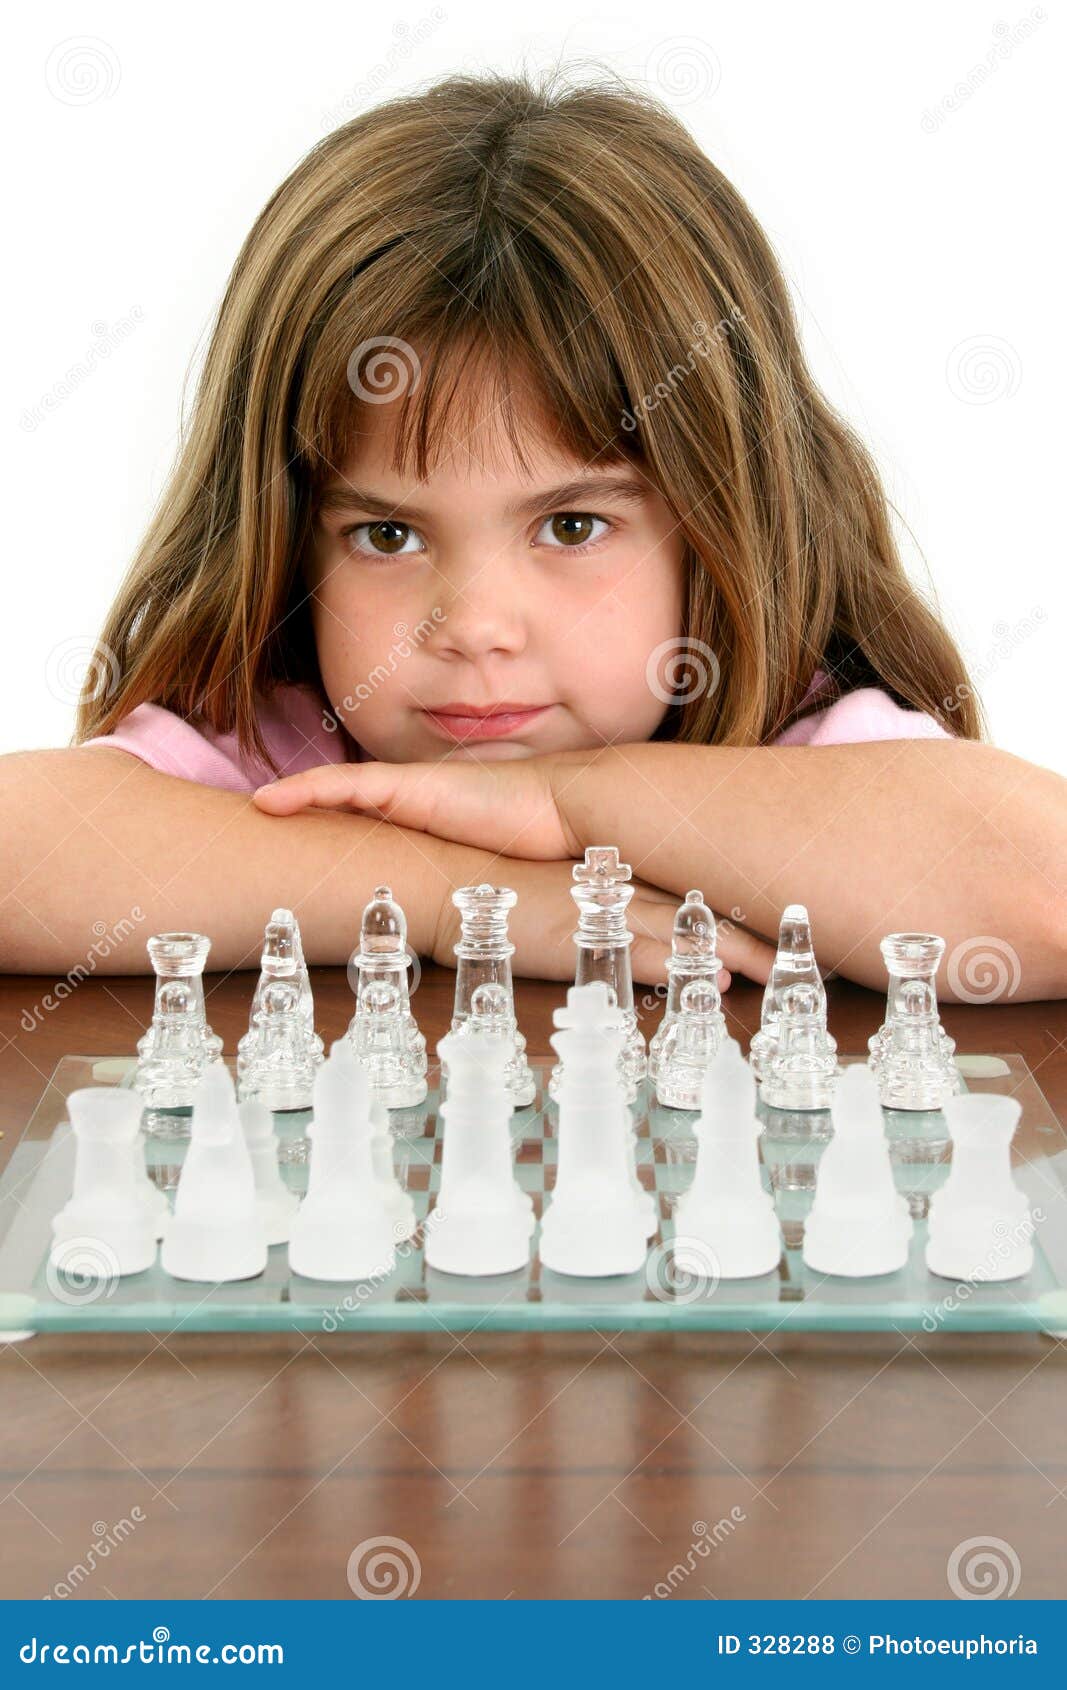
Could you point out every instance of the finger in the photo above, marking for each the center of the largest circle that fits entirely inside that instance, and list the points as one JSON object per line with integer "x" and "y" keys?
{"x": 332, "y": 786}
{"x": 747, "y": 955}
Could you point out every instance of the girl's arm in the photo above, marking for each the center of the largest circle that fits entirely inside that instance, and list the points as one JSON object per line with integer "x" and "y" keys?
{"x": 951, "y": 837}
{"x": 99, "y": 851}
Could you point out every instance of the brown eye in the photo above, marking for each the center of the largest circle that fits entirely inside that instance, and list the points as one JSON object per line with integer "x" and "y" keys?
{"x": 572, "y": 528}
{"x": 388, "y": 536}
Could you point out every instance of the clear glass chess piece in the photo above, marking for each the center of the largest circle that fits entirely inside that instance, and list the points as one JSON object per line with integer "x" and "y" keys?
{"x": 484, "y": 954}
{"x": 397, "y": 1051}
{"x": 693, "y": 1038}
{"x": 794, "y": 965}
{"x": 692, "y": 958}
{"x": 174, "y": 1051}
{"x": 603, "y": 941}
{"x": 803, "y": 1071}
{"x": 911, "y": 1055}
{"x": 276, "y": 1061}
{"x": 379, "y": 1036}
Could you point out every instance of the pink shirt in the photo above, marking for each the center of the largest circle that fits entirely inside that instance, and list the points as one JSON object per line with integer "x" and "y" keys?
{"x": 294, "y": 719}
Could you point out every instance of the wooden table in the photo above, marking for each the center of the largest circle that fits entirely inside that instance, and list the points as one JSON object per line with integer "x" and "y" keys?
{"x": 571, "y": 1465}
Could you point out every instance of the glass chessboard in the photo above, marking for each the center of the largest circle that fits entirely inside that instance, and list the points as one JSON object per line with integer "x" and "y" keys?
{"x": 35, "y": 1297}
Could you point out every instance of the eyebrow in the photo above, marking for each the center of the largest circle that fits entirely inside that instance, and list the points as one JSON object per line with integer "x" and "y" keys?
{"x": 572, "y": 495}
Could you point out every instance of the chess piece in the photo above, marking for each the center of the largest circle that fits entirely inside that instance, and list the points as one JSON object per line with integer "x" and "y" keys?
{"x": 383, "y": 1030}
{"x": 692, "y": 957}
{"x": 802, "y": 1071}
{"x": 482, "y": 1221}
{"x": 603, "y": 941}
{"x": 276, "y": 1204}
{"x": 179, "y": 1045}
{"x": 277, "y": 1057}
{"x": 215, "y": 1233}
{"x": 398, "y": 1202}
{"x": 726, "y": 1212}
{"x": 859, "y": 1223}
{"x": 689, "y": 1049}
{"x": 794, "y": 965}
{"x": 343, "y": 1229}
{"x": 276, "y": 1060}
{"x": 107, "y": 1229}
{"x": 484, "y": 954}
{"x": 595, "y": 1225}
{"x": 911, "y": 1054}
{"x": 980, "y": 1225}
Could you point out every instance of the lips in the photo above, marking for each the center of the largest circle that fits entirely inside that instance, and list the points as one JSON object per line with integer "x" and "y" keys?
{"x": 468, "y": 721}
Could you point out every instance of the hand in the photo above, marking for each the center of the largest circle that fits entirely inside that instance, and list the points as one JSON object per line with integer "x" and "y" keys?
{"x": 507, "y": 807}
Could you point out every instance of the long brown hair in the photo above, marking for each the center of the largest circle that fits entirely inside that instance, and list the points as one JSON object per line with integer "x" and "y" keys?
{"x": 580, "y": 234}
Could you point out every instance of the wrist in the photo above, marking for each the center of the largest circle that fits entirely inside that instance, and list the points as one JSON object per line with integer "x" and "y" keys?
{"x": 578, "y": 781}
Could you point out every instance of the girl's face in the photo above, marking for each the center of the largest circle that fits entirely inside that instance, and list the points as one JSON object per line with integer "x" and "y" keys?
{"x": 438, "y": 602}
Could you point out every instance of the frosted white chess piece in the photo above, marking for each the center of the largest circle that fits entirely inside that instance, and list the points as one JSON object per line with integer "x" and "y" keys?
{"x": 275, "y": 1202}
{"x": 398, "y": 1202}
{"x": 482, "y": 1221}
{"x": 383, "y": 1031}
{"x": 980, "y": 1225}
{"x": 726, "y": 1211}
{"x": 108, "y": 1228}
{"x": 596, "y": 1223}
{"x": 794, "y": 965}
{"x": 484, "y": 986}
{"x": 343, "y": 1229}
{"x": 215, "y": 1233}
{"x": 603, "y": 939}
{"x": 693, "y": 957}
{"x": 859, "y": 1223}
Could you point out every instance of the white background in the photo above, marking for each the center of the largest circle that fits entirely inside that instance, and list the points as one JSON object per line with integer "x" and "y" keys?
{"x": 922, "y": 242}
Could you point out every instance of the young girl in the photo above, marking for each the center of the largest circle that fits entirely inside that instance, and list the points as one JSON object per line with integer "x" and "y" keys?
{"x": 510, "y": 521}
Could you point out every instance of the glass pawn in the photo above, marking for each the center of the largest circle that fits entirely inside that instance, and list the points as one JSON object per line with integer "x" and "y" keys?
{"x": 603, "y": 941}
{"x": 175, "y": 1050}
{"x": 383, "y": 1031}
{"x": 911, "y": 1055}
{"x": 692, "y": 958}
{"x": 693, "y": 1039}
{"x": 803, "y": 1071}
{"x": 484, "y": 955}
{"x": 793, "y": 965}
{"x": 277, "y": 1057}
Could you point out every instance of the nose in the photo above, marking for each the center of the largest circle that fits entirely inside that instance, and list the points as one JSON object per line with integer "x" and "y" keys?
{"x": 479, "y": 614}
